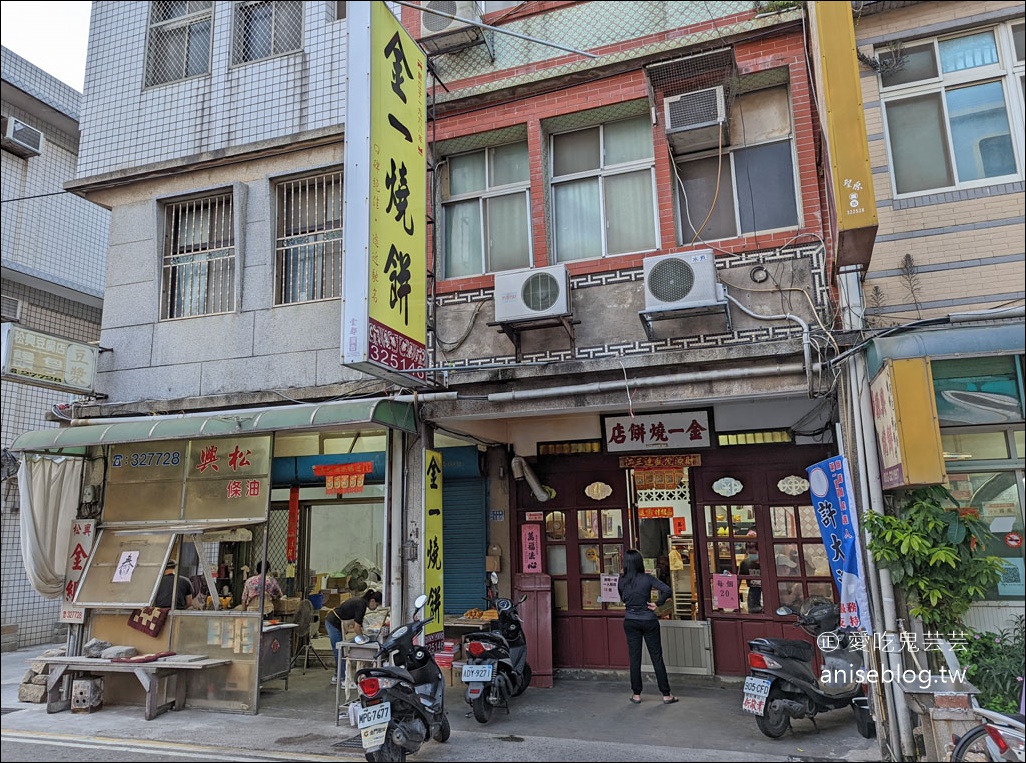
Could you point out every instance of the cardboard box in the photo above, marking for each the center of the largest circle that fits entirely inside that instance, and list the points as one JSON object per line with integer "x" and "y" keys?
{"x": 287, "y": 605}
{"x": 337, "y": 583}
{"x": 493, "y": 564}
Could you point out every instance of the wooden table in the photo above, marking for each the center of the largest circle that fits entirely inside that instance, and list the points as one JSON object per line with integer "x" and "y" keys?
{"x": 150, "y": 675}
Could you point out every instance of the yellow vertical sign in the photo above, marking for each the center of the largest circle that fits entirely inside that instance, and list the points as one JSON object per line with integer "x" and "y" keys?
{"x": 433, "y": 581}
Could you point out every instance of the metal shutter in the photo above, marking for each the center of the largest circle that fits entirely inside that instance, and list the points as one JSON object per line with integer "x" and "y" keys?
{"x": 465, "y": 537}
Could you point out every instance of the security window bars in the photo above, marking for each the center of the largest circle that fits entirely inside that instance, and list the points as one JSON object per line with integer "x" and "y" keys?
{"x": 179, "y": 40}
{"x": 308, "y": 239}
{"x": 487, "y": 222}
{"x": 603, "y": 181}
{"x": 750, "y": 185}
{"x": 954, "y": 110}
{"x": 199, "y": 258}
{"x": 266, "y": 29}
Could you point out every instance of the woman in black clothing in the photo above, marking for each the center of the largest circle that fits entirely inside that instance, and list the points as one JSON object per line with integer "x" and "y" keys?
{"x": 640, "y": 622}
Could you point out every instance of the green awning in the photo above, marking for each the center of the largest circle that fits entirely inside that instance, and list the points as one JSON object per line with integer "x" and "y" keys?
{"x": 344, "y": 414}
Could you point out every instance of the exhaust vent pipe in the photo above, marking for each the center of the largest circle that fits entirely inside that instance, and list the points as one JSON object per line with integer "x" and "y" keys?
{"x": 523, "y": 471}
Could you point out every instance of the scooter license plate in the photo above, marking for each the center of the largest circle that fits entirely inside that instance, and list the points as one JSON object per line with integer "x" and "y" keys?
{"x": 473, "y": 673}
{"x": 756, "y": 692}
{"x": 373, "y": 715}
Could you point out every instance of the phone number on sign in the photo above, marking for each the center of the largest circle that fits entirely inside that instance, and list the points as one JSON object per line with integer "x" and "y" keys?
{"x": 155, "y": 458}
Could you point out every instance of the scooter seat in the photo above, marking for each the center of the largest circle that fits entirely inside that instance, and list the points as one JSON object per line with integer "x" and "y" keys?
{"x": 789, "y": 648}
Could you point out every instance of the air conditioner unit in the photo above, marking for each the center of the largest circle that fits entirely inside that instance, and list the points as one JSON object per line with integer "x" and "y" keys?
{"x": 679, "y": 281}
{"x": 697, "y": 121}
{"x": 532, "y": 293}
{"x": 21, "y": 139}
{"x": 441, "y": 34}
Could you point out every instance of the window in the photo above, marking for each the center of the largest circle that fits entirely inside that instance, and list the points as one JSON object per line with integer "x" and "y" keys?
{"x": 602, "y": 190}
{"x": 950, "y": 107}
{"x": 199, "y": 258}
{"x": 751, "y": 187}
{"x": 308, "y": 239}
{"x": 179, "y": 40}
{"x": 265, "y": 29}
{"x": 340, "y": 10}
{"x": 486, "y": 212}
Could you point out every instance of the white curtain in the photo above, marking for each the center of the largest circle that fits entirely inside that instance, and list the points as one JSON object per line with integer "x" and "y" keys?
{"x": 49, "y": 488}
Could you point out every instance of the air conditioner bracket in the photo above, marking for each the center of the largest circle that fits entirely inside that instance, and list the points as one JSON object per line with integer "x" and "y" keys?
{"x": 649, "y": 316}
{"x": 513, "y": 329}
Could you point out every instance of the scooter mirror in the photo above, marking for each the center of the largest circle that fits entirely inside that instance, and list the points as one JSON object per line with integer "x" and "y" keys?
{"x": 784, "y": 611}
{"x": 419, "y": 602}
{"x": 493, "y": 577}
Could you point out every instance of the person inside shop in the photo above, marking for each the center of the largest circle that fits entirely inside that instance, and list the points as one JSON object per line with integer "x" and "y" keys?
{"x": 750, "y": 566}
{"x": 251, "y": 591}
{"x": 173, "y": 588}
{"x": 351, "y": 610}
{"x": 641, "y": 624}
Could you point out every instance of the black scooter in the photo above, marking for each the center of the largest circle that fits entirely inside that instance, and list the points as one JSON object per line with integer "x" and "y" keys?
{"x": 782, "y": 683}
{"x": 496, "y": 667}
{"x": 402, "y": 703}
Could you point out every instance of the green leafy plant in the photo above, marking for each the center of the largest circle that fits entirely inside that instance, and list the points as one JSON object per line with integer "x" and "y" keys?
{"x": 935, "y": 553}
{"x": 995, "y": 664}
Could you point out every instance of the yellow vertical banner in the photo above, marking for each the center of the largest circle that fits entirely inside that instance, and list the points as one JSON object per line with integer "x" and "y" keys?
{"x": 433, "y": 581}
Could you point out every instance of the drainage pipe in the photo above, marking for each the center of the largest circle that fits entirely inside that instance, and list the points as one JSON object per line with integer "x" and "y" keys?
{"x": 882, "y": 587}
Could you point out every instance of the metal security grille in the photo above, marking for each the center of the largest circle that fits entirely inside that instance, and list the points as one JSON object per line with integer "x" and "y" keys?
{"x": 308, "y": 239}
{"x": 179, "y": 40}
{"x": 265, "y": 29}
{"x": 199, "y": 258}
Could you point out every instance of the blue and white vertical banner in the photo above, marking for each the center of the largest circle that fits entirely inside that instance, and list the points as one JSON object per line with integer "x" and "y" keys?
{"x": 833, "y": 500}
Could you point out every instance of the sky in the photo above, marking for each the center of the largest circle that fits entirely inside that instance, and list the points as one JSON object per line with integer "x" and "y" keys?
{"x": 51, "y": 35}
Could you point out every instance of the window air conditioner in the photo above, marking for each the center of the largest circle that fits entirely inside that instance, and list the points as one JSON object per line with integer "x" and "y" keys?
{"x": 685, "y": 280}
{"x": 441, "y": 34}
{"x": 697, "y": 121}
{"x": 532, "y": 293}
{"x": 21, "y": 139}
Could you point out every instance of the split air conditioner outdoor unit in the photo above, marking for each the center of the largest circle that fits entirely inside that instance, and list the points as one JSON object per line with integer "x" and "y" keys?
{"x": 697, "y": 121}
{"x": 532, "y": 293}
{"x": 20, "y": 139}
{"x": 681, "y": 281}
{"x": 441, "y": 34}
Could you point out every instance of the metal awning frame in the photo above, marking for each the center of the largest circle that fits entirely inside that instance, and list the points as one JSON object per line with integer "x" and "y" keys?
{"x": 341, "y": 414}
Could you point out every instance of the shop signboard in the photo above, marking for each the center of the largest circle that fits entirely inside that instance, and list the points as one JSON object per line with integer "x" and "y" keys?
{"x": 43, "y": 360}
{"x": 907, "y": 429}
{"x": 676, "y": 430}
{"x": 222, "y": 478}
{"x": 384, "y": 314}
{"x": 83, "y": 532}
{"x": 433, "y": 545}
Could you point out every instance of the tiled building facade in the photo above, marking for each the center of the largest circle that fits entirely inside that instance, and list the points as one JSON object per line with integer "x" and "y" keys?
{"x": 54, "y": 249}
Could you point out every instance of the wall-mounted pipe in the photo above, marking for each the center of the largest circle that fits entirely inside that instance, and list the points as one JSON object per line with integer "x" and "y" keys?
{"x": 806, "y": 339}
{"x": 779, "y": 369}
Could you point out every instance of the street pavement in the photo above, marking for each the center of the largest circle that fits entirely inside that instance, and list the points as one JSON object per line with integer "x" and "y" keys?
{"x": 582, "y": 718}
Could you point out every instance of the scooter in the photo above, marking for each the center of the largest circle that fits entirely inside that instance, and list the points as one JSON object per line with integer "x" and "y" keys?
{"x": 402, "y": 702}
{"x": 999, "y": 737}
{"x": 782, "y": 683}
{"x": 496, "y": 667}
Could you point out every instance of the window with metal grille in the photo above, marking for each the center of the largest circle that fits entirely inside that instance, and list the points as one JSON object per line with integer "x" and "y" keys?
{"x": 308, "y": 239}
{"x": 199, "y": 258}
{"x": 179, "y": 40}
{"x": 265, "y": 29}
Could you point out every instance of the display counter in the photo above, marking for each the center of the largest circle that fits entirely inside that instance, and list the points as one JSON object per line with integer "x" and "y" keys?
{"x": 276, "y": 652}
